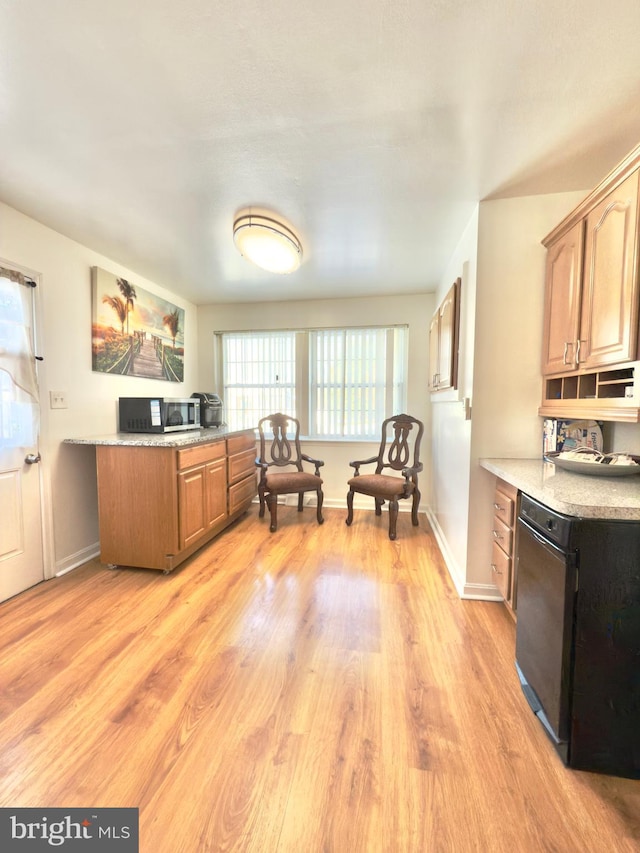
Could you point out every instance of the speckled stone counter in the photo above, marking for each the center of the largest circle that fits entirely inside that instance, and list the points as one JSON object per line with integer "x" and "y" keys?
{"x": 572, "y": 494}
{"x": 145, "y": 439}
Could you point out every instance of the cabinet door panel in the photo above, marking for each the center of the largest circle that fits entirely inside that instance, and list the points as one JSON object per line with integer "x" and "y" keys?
{"x": 443, "y": 341}
{"x": 563, "y": 283}
{"x": 216, "y": 492}
{"x": 447, "y": 343}
{"x": 434, "y": 344}
{"x": 609, "y": 320}
{"x": 191, "y": 500}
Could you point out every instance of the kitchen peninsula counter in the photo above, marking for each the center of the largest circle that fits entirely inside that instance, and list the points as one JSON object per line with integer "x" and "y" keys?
{"x": 163, "y": 496}
{"x": 167, "y": 439}
{"x": 581, "y": 495}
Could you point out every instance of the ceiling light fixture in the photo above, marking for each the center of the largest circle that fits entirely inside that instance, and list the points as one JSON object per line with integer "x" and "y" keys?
{"x": 267, "y": 242}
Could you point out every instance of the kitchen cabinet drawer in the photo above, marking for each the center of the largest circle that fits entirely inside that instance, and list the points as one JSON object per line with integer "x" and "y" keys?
{"x": 244, "y": 441}
{"x": 241, "y": 494}
{"x": 504, "y": 506}
{"x": 241, "y": 464}
{"x": 503, "y": 536}
{"x": 501, "y": 570}
{"x": 504, "y": 542}
{"x": 200, "y": 454}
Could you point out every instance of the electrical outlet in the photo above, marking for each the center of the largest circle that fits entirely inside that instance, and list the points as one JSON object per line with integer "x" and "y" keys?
{"x": 58, "y": 399}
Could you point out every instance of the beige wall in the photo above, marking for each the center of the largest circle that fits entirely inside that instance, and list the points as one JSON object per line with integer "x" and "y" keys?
{"x": 62, "y": 268}
{"x": 414, "y": 310}
{"x": 505, "y": 366}
{"x": 451, "y": 430}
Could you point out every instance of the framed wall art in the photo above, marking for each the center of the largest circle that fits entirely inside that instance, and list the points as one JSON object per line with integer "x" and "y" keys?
{"x": 134, "y": 332}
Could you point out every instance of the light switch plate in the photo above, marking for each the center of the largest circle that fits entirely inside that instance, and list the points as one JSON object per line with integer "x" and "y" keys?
{"x": 58, "y": 399}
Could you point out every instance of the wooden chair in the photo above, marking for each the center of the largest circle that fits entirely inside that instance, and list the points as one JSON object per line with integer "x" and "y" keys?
{"x": 407, "y": 432}
{"x": 284, "y": 452}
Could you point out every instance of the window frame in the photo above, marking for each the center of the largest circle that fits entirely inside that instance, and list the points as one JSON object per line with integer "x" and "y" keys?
{"x": 395, "y": 365}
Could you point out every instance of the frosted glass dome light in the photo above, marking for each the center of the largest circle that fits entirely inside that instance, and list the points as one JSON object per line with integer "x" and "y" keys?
{"x": 267, "y": 242}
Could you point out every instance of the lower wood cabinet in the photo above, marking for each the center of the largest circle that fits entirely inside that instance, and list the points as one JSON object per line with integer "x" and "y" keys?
{"x": 503, "y": 549}
{"x": 158, "y": 505}
{"x": 202, "y": 491}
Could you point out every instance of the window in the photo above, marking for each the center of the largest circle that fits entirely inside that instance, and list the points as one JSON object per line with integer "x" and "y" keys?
{"x": 339, "y": 383}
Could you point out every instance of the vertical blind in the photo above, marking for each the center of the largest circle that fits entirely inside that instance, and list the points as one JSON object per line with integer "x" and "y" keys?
{"x": 259, "y": 371}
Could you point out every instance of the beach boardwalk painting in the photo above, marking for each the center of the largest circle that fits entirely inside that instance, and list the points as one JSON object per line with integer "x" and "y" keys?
{"x": 134, "y": 332}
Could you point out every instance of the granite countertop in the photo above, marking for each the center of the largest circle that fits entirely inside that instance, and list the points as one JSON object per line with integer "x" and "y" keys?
{"x": 572, "y": 494}
{"x": 145, "y": 439}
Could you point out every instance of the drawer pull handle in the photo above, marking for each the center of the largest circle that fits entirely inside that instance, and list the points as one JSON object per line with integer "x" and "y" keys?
{"x": 497, "y": 535}
{"x": 494, "y": 569}
{"x": 499, "y": 507}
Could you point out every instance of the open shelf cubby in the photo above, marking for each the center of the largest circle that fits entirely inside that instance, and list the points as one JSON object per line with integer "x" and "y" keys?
{"x": 611, "y": 393}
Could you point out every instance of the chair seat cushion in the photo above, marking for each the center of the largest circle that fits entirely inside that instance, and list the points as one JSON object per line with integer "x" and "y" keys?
{"x": 380, "y": 485}
{"x": 292, "y": 481}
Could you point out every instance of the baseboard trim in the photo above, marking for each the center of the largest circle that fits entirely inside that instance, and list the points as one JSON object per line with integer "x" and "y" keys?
{"x": 74, "y": 561}
{"x": 473, "y": 591}
{"x": 359, "y": 502}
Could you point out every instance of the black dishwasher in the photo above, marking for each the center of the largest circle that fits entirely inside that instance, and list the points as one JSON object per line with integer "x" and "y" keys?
{"x": 578, "y": 635}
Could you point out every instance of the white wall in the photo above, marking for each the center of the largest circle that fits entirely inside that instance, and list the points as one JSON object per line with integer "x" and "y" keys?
{"x": 62, "y": 268}
{"x": 414, "y": 310}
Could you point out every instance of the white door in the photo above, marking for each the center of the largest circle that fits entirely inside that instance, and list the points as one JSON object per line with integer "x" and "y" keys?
{"x": 21, "y": 555}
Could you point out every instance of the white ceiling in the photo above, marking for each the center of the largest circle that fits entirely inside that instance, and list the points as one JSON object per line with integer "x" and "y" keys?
{"x": 373, "y": 126}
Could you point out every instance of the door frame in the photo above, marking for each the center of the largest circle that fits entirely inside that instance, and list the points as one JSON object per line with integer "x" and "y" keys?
{"x": 44, "y": 470}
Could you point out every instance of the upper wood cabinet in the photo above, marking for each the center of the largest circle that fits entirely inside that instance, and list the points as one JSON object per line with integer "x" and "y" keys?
{"x": 562, "y": 302}
{"x": 592, "y": 299}
{"x": 443, "y": 341}
{"x": 591, "y": 295}
{"x": 609, "y": 315}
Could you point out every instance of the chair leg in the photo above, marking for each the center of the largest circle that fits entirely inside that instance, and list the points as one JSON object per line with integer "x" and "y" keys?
{"x": 379, "y": 502}
{"x": 300, "y": 501}
{"x": 272, "y": 500}
{"x": 319, "y": 506}
{"x": 414, "y": 508}
{"x": 349, "y": 507}
{"x": 262, "y": 501}
{"x": 393, "y": 517}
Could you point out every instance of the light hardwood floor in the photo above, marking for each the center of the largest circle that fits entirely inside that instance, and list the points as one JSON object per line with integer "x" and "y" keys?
{"x": 316, "y": 689}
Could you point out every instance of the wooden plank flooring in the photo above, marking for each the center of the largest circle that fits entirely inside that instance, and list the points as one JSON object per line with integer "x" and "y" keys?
{"x": 316, "y": 689}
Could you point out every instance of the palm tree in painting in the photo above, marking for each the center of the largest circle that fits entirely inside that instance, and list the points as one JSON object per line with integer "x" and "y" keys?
{"x": 129, "y": 293}
{"x": 119, "y": 307}
{"x": 171, "y": 322}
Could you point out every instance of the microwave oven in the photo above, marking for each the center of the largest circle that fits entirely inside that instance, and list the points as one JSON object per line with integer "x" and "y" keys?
{"x": 158, "y": 414}
{"x": 210, "y": 410}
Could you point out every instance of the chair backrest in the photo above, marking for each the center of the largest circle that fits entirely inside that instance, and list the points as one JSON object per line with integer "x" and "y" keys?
{"x": 280, "y": 441}
{"x": 403, "y": 434}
